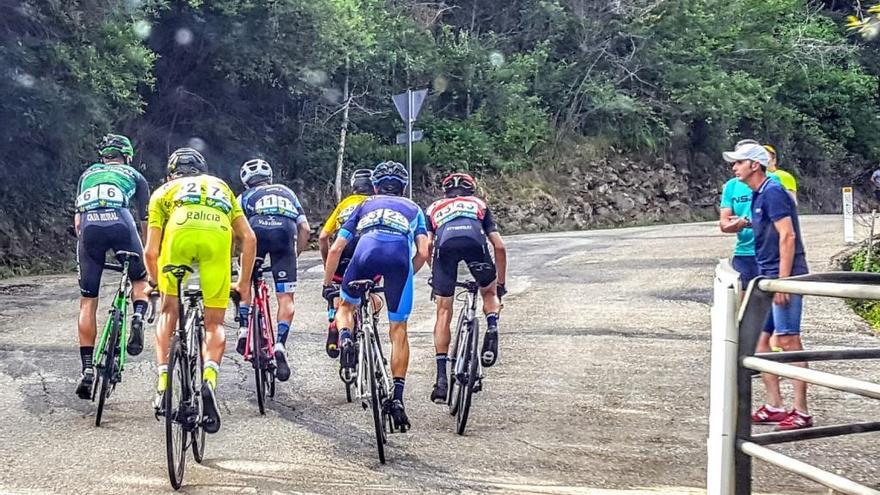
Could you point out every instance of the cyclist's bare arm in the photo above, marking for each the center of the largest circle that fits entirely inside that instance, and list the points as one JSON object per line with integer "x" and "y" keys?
{"x": 500, "y": 256}
{"x": 421, "y": 252}
{"x": 76, "y": 220}
{"x": 430, "y": 259}
{"x": 302, "y": 236}
{"x": 324, "y": 245}
{"x": 333, "y": 258}
{"x": 247, "y": 241}
{"x": 151, "y": 252}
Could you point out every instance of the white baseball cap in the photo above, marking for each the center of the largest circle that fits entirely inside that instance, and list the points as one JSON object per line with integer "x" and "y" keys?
{"x": 754, "y": 152}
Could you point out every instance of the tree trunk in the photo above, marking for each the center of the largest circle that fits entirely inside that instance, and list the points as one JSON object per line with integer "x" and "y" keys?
{"x": 346, "y": 96}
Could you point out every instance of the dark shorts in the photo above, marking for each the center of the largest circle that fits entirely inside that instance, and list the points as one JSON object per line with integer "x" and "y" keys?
{"x": 388, "y": 256}
{"x": 747, "y": 266}
{"x": 444, "y": 269}
{"x": 100, "y": 231}
{"x": 277, "y": 238}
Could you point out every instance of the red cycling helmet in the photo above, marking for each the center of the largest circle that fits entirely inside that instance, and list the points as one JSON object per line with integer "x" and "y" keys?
{"x": 459, "y": 181}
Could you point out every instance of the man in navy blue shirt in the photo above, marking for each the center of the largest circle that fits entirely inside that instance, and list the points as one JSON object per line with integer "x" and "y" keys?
{"x": 779, "y": 253}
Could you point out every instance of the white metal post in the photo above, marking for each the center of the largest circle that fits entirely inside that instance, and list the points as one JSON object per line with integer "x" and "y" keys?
{"x": 409, "y": 137}
{"x": 848, "y": 228}
{"x": 723, "y": 393}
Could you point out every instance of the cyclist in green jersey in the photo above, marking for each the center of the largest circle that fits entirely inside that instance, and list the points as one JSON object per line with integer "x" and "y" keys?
{"x": 103, "y": 222}
{"x": 786, "y": 179}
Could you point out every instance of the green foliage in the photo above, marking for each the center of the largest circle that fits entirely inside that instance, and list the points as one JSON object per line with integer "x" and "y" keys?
{"x": 869, "y": 310}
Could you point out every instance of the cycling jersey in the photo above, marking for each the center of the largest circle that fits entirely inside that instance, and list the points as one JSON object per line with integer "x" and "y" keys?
{"x": 274, "y": 212}
{"x": 104, "y": 193}
{"x": 461, "y": 226}
{"x": 110, "y": 185}
{"x": 196, "y": 215}
{"x": 272, "y": 199}
{"x": 341, "y": 213}
{"x": 462, "y": 216}
{"x": 387, "y": 227}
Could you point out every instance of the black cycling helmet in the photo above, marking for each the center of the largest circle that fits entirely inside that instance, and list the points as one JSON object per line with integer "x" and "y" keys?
{"x": 390, "y": 178}
{"x": 186, "y": 161}
{"x": 114, "y": 145}
{"x": 361, "y": 181}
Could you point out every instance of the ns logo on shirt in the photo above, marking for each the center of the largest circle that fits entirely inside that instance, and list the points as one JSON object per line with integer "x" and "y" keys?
{"x": 742, "y": 199}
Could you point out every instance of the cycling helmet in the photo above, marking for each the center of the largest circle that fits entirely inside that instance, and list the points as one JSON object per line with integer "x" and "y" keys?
{"x": 255, "y": 171}
{"x": 361, "y": 181}
{"x": 460, "y": 182}
{"x": 186, "y": 161}
{"x": 390, "y": 178}
{"x": 113, "y": 144}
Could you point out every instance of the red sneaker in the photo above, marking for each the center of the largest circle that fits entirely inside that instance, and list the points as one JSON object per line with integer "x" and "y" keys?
{"x": 766, "y": 416}
{"x": 795, "y": 421}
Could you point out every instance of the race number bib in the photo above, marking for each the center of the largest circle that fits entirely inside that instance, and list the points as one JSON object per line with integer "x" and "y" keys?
{"x": 190, "y": 193}
{"x": 384, "y": 217}
{"x": 456, "y": 209}
{"x": 272, "y": 204}
{"x": 101, "y": 196}
{"x": 345, "y": 213}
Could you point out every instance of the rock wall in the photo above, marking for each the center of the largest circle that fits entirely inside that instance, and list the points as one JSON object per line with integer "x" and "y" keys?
{"x": 586, "y": 190}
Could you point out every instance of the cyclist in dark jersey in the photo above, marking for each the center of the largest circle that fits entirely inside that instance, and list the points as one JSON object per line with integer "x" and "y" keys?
{"x": 392, "y": 243}
{"x": 282, "y": 231}
{"x": 103, "y": 222}
{"x": 459, "y": 226}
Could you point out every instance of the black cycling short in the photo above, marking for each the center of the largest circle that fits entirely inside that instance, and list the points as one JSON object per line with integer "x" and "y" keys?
{"x": 444, "y": 269}
{"x": 100, "y": 231}
{"x": 276, "y": 236}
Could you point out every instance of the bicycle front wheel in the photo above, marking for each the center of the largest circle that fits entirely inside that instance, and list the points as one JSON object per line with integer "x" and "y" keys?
{"x": 176, "y": 401}
{"x": 108, "y": 365}
{"x": 471, "y": 367}
{"x": 258, "y": 359}
{"x": 375, "y": 404}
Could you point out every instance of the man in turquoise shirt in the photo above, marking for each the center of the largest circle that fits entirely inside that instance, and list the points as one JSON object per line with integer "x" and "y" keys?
{"x": 736, "y": 207}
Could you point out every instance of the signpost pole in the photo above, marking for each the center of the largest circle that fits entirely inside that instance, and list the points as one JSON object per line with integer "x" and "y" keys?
{"x": 848, "y": 230}
{"x": 409, "y": 136}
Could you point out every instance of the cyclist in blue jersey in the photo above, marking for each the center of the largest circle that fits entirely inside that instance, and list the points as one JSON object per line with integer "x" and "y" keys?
{"x": 393, "y": 243}
{"x": 103, "y": 222}
{"x": 282, "y": 231}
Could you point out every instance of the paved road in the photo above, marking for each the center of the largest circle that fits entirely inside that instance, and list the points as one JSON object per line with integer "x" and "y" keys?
{"x": 602, "y": 387}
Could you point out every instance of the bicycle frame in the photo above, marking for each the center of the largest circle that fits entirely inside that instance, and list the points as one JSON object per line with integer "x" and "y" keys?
{"x": 261, "y": 302}
{"x": 120, "y": 304}
{"x": 467, "y": 314}
{"x": 367, "y": 325}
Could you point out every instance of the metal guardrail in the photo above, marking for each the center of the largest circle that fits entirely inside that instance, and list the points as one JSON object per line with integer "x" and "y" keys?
{"x": 735, "y": 331}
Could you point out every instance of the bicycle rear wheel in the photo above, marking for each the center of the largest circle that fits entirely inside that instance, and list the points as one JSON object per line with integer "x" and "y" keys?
{"x": 458, "y": 350}
{"x": 375, "y": 404}
{"x": 471, "y": 367}
{"x": 258, "y": 359}
{"x": 176, "y": 400}
{"x": 198, "y": 367}
{"x": 108, "y": 365}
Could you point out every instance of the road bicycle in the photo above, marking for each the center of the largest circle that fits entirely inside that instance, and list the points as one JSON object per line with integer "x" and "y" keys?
{"x": 111, "y": 348}
{"x": 372, "y": 384}
{"x": 182, "y": 400}
{"x": 465, "y": 368}
{"x": 260, "y": 344}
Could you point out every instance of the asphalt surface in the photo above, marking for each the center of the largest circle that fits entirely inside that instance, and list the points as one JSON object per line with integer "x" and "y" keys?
{"x": 601, "y": 387}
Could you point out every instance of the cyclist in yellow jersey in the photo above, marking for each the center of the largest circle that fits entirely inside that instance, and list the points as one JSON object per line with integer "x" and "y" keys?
{"x": 193, "y": 218}
{"x": 361, "y": 189}
{"x": 786, "y": 179}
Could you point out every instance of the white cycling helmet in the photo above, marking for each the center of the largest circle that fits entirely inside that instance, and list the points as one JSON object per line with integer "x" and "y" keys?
{"x": 255, "y": 171}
